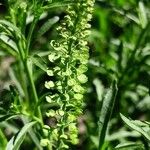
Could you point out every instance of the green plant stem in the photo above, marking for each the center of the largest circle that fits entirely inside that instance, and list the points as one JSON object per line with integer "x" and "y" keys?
{"x": 29, "y": 38}
{"x": 29, "y": 75}
{"x": 23, "y": 81}
{"x": 24, "y": 61}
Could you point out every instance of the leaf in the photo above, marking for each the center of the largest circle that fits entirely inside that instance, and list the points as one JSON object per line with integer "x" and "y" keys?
{"x": 129, "y": 146}
{"x": 142, "y": 15}
{"x": 106, "y": 110}
{"x": 47, "y": 25}
{"x": 39, "y": 61}
{"x": 17, "y": 140}
{"x": 10, "y": 25}
{"x": 8, "y": 42}
{"x": 32, "y": 134}
{"x": 3, "y": 140}
{"x": 15, "y": 80}
{"x": 5, "y": 48}
{"x": 99, "y": 88}
{"x": 135, "y": 126}
{"x": 58, "y": 4}
{"x": 8, "y": 117}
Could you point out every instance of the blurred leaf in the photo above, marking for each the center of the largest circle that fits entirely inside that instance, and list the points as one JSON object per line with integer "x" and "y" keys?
{"x": 46, "y": 26}
{"x": 94, "y": 140}
{"x": 142, "y": 14}
{"x": 99, "y": 88}
{"x": 38, "y": 61}
{"x": 3, "y": 140}
{"x": 106, "y": 111}
{"x": 7, "y": 117}
{"x": 17, "y": 140}
{"x": 59, "y": 4}
{"x": 6, "y": 49}
{"x": 7, "y": 24}
{"x": 8, "y": 42}
{"x": 16, "y": 81}
{"x": 136, "y": 125}
{"x": 32, "y": 134}
{"x": 5, "y": 99}
{"x": 130, "y": 146}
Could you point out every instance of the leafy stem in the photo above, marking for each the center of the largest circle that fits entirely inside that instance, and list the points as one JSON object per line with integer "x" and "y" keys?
{"x": 29, "y": 75}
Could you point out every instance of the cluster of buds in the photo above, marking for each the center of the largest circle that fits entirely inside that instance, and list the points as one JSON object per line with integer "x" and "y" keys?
{"x": 70, "y": 57}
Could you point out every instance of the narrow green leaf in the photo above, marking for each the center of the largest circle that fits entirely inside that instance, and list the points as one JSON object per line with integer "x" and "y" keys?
{"x": 99, "y": 88}
{"x": 17, "y": 140}
{"x": 32, "y": 134}
{"x": 8, "y": 117}
{"x": 10, "y": 25}
{"x": 58, "y": 4}
{"x": 129, "y": 146}
{"x": 106, "y": 111}
{"x": 46, "y": 26}
{"x": 3, "y": 140}
{"x": 7, "y": 49}
{"x": 135, "y": 126}
{"x": 142, "y": 15}
{"x": 15, "y": 80}
{"x": 8, "y": 41}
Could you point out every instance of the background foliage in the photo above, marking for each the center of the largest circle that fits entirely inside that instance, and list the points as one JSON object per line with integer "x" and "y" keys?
{"x": 119, "y": 51}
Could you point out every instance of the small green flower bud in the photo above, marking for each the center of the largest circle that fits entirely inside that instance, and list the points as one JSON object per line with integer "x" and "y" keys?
{"x": 65, "y": 146}
{"x": 78, "y": 96}
{"x": 51, "y": 113}
{"x": 74, "y": 140}
{"x": 55, "y": 131}
{"x": 73, "y": 128}
{"x": 78, "y": 88}
{"x": 49, "y": 84}
{"x": 45, "y": 132}
{"x": 48, "y": 99}
{"x": 51, "y": 57}
{"x": 50, "y": 73}
{"x": 82, "y": 68}
{"x": 63, "y": 136}
{"x": 46, "y": 127}
{"x": 61, "y": 112}
{"x": 44, "y": 142}
{"x": 71, "y": 82}
{"x": 56, "y": 69}
{"x": 71, "y": 118}
{"x": 82, "y": 78}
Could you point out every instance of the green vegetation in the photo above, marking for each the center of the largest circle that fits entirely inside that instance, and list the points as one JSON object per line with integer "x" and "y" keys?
{"x": 74, "y": 74}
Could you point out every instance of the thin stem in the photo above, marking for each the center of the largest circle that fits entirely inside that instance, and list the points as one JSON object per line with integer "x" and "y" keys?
{"x": 29, "y": 38}
{"x": 29, "y": 75}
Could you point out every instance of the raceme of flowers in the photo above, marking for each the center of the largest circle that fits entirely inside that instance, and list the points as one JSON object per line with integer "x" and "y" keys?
{"x": 69, "y": 57}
